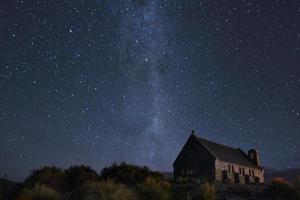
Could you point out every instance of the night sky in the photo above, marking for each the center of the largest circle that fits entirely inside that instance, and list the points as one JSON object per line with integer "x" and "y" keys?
{"x": 100, "y": 81}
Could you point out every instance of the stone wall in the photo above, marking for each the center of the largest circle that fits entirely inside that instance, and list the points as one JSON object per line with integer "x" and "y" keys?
{"x": 232, "y": 170}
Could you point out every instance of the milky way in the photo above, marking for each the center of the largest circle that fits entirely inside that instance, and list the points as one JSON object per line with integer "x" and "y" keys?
{"x": 145, "y": 45}
{"x": 100, "y": 81}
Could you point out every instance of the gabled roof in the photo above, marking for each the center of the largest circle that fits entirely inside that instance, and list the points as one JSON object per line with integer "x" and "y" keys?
{"x": 226, "y": 153}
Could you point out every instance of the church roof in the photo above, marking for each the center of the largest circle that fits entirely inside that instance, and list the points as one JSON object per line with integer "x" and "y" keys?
{"x": 226, "y": 153}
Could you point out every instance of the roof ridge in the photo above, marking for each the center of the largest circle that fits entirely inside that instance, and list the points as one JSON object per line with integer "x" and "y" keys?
{"x": 200, "y": 138}
{"x": 226, "y": 153}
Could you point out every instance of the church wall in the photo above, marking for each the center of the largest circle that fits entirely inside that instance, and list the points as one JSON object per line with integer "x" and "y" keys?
{"x": 234, "y": 170}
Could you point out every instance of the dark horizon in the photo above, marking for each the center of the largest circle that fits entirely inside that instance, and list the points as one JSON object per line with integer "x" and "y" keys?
{"x": 96, "y": 82}
{"x": 268, "y": 169}
{"x": 98, "y": 170}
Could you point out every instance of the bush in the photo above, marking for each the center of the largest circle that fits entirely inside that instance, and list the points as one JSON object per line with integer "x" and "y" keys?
{"x": 280, "y": 189}
{"x": 129, "y": 175}
{"x": 39, "y": 192}
{"x": 207, "y": 192}
{"x": 279, "y": 181}
{"x": 48, "y": 176}
{"x": 75, "y": 178}
{"x": 122, "y": 182}
{"x": 78, "y": 175}
{"x": 107, "y": 190}
{"x": 154, "y": 189}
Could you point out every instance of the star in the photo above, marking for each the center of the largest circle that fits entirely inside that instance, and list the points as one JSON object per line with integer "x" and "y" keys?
{"x": 87, "y": 81}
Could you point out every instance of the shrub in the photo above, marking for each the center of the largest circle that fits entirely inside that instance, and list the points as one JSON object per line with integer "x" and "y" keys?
{"x": 154, "y": 189}
{"x": 107, "y": 190}
{"x": 75, "y": 178}
{"x": 78, "y": 175}
{"x": 39, "y": 192}
{"x": 207, "y": 192}
{"x": 280, "y": 189}
{"x": 279, "y": 181}
{"x": 129, "y": 175}
{"x": 48, "y": 176}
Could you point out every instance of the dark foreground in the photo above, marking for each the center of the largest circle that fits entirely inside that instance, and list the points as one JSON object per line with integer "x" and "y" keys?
{"x": 128, "y": 182}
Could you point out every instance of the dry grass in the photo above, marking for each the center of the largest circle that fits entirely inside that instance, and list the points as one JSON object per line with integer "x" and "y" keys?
{"x": 108, "y": 190}
{"x": 208, "y": 192}
{"x": 39, "y": 192}
{"x": 154, "y": 189}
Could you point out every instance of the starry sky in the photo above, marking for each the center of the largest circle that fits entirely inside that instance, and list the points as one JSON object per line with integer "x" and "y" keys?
{"x": 100, "y": 81}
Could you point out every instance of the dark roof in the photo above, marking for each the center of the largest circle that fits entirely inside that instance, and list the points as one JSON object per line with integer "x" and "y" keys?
{"x": 226, "y": 153}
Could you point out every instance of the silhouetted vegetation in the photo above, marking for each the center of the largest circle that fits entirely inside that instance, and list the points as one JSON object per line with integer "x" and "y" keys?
{"x": 280, "y": 189}
{"x": 39, "y": 192}
{"x": 8, "y": 188}
{"x": 129, "y": 175}
{"x": 117, "y": 182}
{"x": 127, "y": 182}
{"x": 75, "y": 178}
{"x": 52, "y": 177}
{"x": 108, "y": 190}
{"x": 207, "y": 192}
{"x": 154, "y": 188}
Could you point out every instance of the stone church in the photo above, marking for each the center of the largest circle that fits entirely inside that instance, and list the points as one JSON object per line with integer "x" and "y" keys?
{"x": 201, "y": 161}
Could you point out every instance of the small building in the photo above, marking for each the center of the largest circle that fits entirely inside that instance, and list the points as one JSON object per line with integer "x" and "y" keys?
{"x": 201, "y": 161}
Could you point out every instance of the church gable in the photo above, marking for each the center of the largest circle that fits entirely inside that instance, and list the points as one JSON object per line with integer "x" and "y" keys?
{"x": 193, "y": 150}
{"x": 194, "y": 160}
{"x": 202, "y": 161}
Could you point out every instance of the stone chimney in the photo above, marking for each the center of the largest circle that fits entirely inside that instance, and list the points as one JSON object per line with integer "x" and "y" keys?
{"x": 253, "y": 156}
